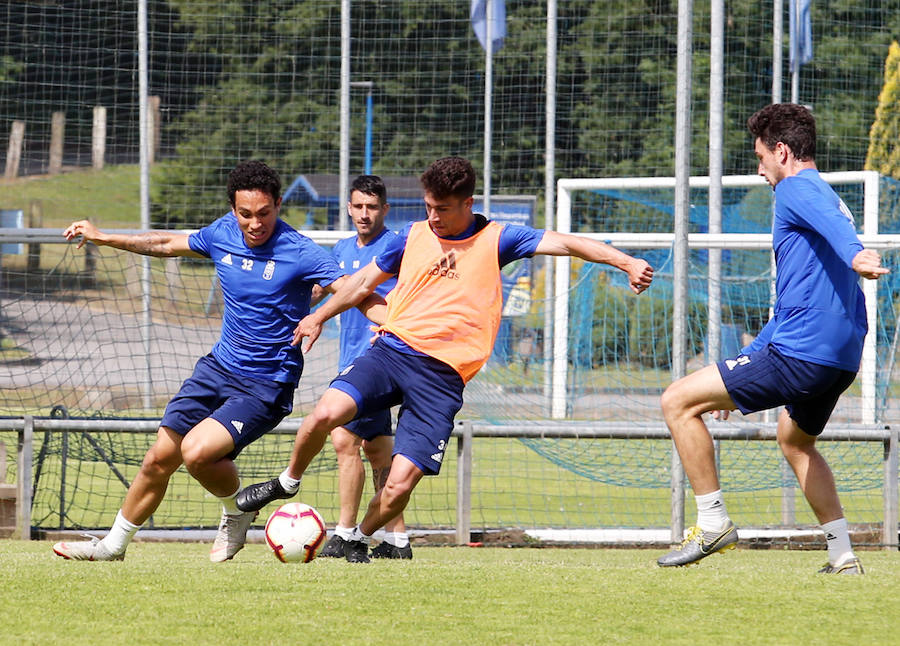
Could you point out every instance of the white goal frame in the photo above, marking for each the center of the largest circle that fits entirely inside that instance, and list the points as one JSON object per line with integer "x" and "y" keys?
{"x": 566, "y": 187}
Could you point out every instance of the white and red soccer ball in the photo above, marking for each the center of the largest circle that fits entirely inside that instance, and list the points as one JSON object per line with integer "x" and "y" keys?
{"x": 295, "y": 532}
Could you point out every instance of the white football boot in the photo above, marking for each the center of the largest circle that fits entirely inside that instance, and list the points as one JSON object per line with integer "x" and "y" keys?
{"x": 232, "y": 535}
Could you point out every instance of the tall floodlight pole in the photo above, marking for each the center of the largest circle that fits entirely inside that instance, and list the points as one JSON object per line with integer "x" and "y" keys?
{"x": 777, "y": 48}
{"x": 795, "y": 67}
{"x": 714, "y": 217}
{"x": 716, "y": 129}
{"x": 680, "y": 255}
{"x": 549, "y": 197}
{"x": 344, "y": 162}
{"x": 144, "y": 154}
{"x": 488, "y": 103}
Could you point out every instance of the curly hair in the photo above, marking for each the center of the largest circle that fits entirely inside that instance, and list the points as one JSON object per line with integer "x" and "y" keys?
{"x": 788, "y": 123}
{"x": 253, "y": 175}
{"x": 449, "y": 176}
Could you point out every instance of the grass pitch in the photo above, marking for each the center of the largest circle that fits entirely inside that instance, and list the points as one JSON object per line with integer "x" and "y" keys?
{"x": 171, "y": 594}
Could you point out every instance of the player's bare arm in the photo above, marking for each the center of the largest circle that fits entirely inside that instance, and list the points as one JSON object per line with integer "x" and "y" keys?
{"x": 640, "y": 273}
{"x": 151, "y": 243}
{"x": 373, "y": 307}
{"x": 867, "y": 263}
{"x": 347, "y": 292}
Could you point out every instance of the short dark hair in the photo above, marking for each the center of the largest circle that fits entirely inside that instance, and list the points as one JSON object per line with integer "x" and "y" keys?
{"x": 253, "y": 175}
{"x": 449, "y": 176}
{"x": 788, "y": 123}
{"x": 370, "y": 185}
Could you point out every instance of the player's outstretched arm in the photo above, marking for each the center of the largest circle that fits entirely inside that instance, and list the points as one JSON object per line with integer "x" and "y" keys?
{"x": 640, "y": 273}
{"x": 867, "y": 263}
{"x": 347, "y": 292}
{"x": 152, "y": 243}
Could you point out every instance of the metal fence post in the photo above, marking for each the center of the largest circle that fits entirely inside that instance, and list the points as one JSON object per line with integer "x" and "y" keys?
{"x": 889, "y": 529}
{"x": 25, "y": 454}
{"x": 464, "y": 484}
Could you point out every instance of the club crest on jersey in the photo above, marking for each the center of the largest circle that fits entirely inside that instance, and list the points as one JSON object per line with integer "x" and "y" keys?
{"x": 269, "y": 270}
{"x": 445, "y": 267}
{"x": 742, "y": 360}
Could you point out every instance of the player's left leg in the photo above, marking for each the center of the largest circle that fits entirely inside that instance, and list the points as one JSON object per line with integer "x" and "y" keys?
{"x": 396, "y": 542}
{"x": 817, "y": 483}
{"x": 207, "y": 451}
{"x": 386, "y": 504}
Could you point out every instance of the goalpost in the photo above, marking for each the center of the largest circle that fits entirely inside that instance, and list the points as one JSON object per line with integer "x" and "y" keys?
{"x": 566, "y": 187}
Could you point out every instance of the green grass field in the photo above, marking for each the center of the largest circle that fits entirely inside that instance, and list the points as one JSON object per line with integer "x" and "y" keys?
{"x": 171, "y": 594}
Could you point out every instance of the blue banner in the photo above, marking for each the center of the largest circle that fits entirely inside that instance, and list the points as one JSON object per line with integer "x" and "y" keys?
{"x": 478, "y": 15}
{"x": 801, "y": 33}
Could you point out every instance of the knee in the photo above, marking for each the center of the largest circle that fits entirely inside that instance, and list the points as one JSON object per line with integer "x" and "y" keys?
{"x": 345, "y": 445}
{"x": 396, "y": 493}
{"x": 791, "y": 450}
{"x": 195, "y": 455}
{"x": 671, "y": 402}
{"x": 157, "y": 464}
{"x": 329, "y": 414}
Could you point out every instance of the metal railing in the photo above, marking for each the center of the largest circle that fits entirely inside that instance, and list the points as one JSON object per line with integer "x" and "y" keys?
{"x": 465, "y": 432}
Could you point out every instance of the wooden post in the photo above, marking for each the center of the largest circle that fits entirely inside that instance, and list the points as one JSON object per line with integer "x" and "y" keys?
{"x": 98, "y": 137}
{"x": 14, "y": 151}
{"x": 57, "y": 135}
{"x": 153, "y": 126}
{"x": 35, "y": 221}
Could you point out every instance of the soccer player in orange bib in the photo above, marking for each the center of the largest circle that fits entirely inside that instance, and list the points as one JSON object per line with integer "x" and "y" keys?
{"x": 438, "y": 331}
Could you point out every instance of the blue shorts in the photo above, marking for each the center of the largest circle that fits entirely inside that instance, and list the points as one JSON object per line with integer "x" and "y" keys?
{"x": 766, "y": 379}
{"x": 429, "y": 393}
{"x": 373, "y": 425}
{"x": 248, "y": 407}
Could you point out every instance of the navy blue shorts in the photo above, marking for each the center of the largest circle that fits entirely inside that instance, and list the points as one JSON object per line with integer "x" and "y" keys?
{"x": 249, "y": 408}
{"x": 429, "y": 393}
{"x": 766, "y": 379}
{"x": 374, "y": 425}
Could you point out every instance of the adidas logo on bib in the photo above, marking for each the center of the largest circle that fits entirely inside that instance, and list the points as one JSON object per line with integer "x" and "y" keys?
{"x": 437, "y": 457}
{"x": 238, "y": 426}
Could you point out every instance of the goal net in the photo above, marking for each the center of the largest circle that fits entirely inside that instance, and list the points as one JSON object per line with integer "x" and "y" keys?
{"x": 85, "y": 337}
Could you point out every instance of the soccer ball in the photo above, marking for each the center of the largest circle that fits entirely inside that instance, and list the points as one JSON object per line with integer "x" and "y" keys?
{"x": 295, "y": 532}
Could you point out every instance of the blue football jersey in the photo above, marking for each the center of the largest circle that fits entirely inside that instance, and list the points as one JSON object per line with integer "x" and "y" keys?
{"x": 266, "y": 291}
{"x": 355, "y": 327}
{"x": 820, "y": 310}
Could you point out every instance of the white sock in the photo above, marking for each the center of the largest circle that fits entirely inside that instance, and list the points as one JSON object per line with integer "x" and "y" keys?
{"x": 397, "y": 539}
{"x": 289, "y": 484}
{"x": 711, "y": 513}
{"x": 228, "y": 503}
{"x": 837, "y": 537}
{"x": 357, "y": 535}
{"x": 343, "y": 532}
{"x": 120, "y": 534}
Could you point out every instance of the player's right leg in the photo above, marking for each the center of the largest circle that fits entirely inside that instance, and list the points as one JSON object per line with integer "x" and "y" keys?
{"x": 683, "y": 404}
{"x": 144, "y": 495}
{"x": 351, "y": 478}
{"x": 334, "y": 408}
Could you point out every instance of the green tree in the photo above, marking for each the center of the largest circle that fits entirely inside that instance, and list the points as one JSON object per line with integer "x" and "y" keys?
{"x": 884, "y": 136}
